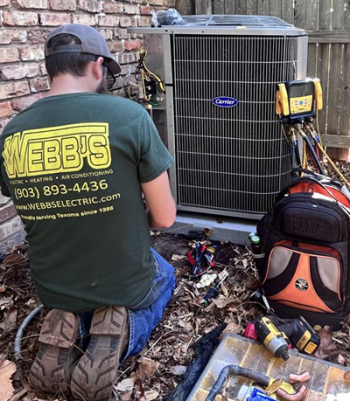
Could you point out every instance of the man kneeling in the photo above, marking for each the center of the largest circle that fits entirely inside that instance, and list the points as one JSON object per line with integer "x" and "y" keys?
{"x": 76, "y": 164}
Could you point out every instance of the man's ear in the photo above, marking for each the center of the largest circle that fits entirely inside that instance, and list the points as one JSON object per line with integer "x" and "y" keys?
{"x": 97, "y": 68}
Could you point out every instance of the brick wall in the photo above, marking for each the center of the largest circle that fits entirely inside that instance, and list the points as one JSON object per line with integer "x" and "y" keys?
{"x": 24, "y": 25}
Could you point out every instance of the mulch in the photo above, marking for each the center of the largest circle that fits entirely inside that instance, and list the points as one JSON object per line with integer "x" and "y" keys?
{"x": 162, "y": 364}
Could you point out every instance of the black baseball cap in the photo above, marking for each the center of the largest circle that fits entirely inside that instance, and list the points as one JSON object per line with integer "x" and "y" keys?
{"x": 91, "y": 42}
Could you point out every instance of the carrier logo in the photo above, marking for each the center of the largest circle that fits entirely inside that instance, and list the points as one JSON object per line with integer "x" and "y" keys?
{"x": 224, "y": 101}
{"x": 301, "y": 284}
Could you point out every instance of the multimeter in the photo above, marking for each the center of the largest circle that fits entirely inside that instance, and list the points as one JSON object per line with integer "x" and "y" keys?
{"x": 297, "y": 101}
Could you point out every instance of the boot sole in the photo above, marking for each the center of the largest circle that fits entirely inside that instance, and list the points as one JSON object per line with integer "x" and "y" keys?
{"x": 57, "y": 354}
{"x": 95, "y": 374}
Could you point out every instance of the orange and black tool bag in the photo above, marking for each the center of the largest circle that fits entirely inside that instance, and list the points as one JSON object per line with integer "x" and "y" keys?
{"x": 305, "y": 255}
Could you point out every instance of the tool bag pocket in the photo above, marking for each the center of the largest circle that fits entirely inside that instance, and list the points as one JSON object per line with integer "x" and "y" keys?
{"x": 305, "y": 276}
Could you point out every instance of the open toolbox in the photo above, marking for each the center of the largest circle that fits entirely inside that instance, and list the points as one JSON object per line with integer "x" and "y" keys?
{"x": 327, "y": 382}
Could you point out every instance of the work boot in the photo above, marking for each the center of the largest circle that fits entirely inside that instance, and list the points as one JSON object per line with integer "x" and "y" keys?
{"x": 95, "y": 374}
{"x": 58, "y": 352}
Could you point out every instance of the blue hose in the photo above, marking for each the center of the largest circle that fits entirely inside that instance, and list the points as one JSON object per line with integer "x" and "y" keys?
{"x": 19, "y": 335}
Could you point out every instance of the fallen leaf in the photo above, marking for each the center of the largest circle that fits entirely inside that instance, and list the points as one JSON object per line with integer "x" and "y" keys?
{"x": 327, "y": 345}
{"x": 150, "y": 395}
{"x": 178, "y": 258}
{"x": 2, "y": 288}
{"x": 232, "y": 328}
{"x": 7, "y": 369}
{"x": 147, "y": 368}
{"x": 340, "y": 360}
{"x": 178, "y": 370}
{"x": 126, "y": 384}
{"x": 223, "y": 301}
{"x": 127, "y": 396}
{"x": 224, "y": 290}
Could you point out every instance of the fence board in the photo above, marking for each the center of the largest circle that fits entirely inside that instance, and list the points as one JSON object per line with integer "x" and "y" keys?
{"x": 334, "y": 91}
{"x": 345, "y": 111}
{"x": 300, "y": 13}
{"x": 325, "y": 14}
{"x": 288, "y": 11}
{"x": 337, "y": 15}
{"x": 347, "y": 16}
{"x": 252, "y": 7}
{"x": 275, "y": 7}
{"x": 263, "y": 7}
{"x": 203, "y": 6}
{"x": 322, "y": 67}
{"x": 218, "y": 7}
{"x": 230, "y": 7}
{"x": 241, "y": 7}
{"x": 312, "y": 60}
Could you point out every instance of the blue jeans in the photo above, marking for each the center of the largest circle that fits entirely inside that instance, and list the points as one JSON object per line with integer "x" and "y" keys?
{"x": 144, "y": 316}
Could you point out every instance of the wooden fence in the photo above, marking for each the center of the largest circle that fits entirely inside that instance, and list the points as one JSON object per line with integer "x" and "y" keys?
{"x": 328, "y": 26}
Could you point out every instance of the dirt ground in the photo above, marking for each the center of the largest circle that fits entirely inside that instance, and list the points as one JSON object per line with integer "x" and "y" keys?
{"x": 162, "y": 364}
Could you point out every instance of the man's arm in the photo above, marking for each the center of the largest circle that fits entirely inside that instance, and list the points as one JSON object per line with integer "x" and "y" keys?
{"x": 161, "y": 208}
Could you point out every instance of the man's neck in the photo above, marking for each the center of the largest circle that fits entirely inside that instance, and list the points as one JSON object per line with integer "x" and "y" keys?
{"x": 65, "y": 83}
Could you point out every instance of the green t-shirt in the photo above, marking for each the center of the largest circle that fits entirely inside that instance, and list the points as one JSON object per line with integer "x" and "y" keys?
{"x": 73, "y": 165}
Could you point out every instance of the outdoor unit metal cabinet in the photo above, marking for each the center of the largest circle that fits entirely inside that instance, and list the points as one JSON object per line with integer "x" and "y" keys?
{"x": 233, "y": 160}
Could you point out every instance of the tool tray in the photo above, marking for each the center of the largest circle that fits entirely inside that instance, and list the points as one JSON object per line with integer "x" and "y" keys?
{"x": 327, "y": 381}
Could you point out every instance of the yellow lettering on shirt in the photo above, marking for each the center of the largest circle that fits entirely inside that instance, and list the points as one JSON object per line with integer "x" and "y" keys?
{"x": 60, "y": 149}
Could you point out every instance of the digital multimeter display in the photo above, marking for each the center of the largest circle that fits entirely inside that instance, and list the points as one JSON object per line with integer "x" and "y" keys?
{"x": 301, "y": 97}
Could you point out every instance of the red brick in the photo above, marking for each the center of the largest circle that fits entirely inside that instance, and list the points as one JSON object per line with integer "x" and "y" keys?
{"x": 14, "y": 89}
{"x": 115, "y": 47}
{"x": 20, "y": 18}
{"x": 3, "y": 123}
{"x": 5, "y": 109}
{"x": 141, "y": 1}
{"x": 125, "y": 22}
{"x": 8, "y": 55}
{"x": 21, "y": 71}
{"x": 30, "y": 3}
{"x": 155, "y": 2}
{"x": 145, "y": 21}
{"x": 121, "y": 33}
{"x": 7, "y": 211}
{"x": 84, "y": 19}
{"x": 126, "y": 58}
{"x": 4, "y": 3}
{"x": 54, "y": 19}
{"x": 114, "y": 8}
{"x": 32, "y": 53}
{"x": 91, "y": 6}
{"x": 128, "y": 69}
{"x": 39, "y": 84}
{"x": 169, "y": 3}
{"x": 37, "y": 36}
{"x": 107, "y": 33}
{"x": 12, "y": 36}
{"x": 134, "y": 21}
{"x": 108, "y": 20}
{"x": 131, "y": 9}
{"x": 42, "y": 68}
{"x": 133, "y": 45}
{"x": 23, "y": 102}
{"x": 63, "y": 5}
{"x": 145, "y": 10}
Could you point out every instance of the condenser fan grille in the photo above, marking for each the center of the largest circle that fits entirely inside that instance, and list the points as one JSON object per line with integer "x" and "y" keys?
{"x": 230, "y": 160}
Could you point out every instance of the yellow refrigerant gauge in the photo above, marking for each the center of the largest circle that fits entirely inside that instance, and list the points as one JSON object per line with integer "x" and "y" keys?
{"x": 297, "y": 101}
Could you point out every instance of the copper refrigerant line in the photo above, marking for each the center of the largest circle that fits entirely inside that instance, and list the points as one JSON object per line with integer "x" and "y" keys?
{"x": 308, "y": 133}
{"x": 285, "y": 392}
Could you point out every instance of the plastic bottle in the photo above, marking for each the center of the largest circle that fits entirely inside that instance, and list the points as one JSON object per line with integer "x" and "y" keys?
{"x": 256, "y": 246}
{"x": 247, "y": 393}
